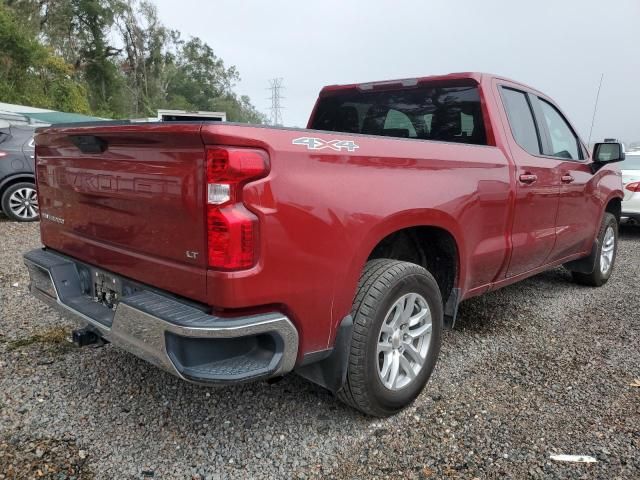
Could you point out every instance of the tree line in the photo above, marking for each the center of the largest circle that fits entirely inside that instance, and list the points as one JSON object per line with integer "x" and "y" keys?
{"x": 110, "y": 58}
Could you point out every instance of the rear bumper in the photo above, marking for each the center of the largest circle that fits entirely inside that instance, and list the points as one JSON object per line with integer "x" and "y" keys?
{"x": 168, "y": 332}
{"x": 630, "y": 214}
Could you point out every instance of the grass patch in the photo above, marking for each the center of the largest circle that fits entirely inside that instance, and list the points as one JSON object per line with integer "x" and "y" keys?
{"x": 56, "y": 338}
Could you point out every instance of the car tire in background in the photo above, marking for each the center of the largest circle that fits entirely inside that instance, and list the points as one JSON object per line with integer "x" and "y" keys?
{"x": 20, "y": 202}
{"x": 397, "y": 327}
{"x": 605, "y": 255}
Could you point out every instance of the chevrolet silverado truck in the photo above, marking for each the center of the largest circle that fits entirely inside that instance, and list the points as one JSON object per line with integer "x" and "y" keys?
{"x": 227, "y": 253}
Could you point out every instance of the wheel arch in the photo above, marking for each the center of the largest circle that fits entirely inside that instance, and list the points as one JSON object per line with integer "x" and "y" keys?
{"x": 614, "y": 206}
{"x": 586, "y": 265}
{"x": 431, "y": 247}
{"x": 13, "y": 179}
{"x": 423, "y": 227}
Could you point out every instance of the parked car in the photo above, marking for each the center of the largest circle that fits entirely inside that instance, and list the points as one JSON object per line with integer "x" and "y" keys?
{"x": 226, "y": 252}
{"x": 17, "y": 180}
{"x": 630, "y": 168}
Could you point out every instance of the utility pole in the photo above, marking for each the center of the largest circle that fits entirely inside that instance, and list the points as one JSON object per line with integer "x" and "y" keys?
{"x": 275, "y": 85}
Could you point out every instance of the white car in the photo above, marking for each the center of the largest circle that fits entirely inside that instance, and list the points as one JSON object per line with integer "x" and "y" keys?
{"x": 630, "y": 168}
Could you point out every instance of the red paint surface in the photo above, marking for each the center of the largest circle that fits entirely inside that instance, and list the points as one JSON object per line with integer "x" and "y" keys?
{"x": 139, "y": 207}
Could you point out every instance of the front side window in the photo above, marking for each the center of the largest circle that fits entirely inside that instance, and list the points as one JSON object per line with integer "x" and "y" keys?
{"x": 564, "y": 143}
{"x": 523, "y": 126}
{"x": 441, "y": 113}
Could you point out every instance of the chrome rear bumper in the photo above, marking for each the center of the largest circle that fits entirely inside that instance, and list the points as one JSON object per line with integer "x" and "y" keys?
{"x": 166, "y": 331}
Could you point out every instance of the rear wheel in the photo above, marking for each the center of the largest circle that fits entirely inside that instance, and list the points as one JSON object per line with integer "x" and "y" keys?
{"x": 397, "y": 326}
{"x": 20, "y": 202}
{"x": 605, "y": 256}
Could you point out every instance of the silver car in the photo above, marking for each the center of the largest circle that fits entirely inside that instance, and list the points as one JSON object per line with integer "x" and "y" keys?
{"x": 630, "y": 168}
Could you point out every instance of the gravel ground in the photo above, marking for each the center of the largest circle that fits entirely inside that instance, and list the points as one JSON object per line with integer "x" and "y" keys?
{"x": 538, "y": 368}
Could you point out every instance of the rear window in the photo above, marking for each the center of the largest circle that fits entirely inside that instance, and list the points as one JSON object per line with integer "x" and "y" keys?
{"x": 3, "y": 136}
{"x": 447, "y": 114}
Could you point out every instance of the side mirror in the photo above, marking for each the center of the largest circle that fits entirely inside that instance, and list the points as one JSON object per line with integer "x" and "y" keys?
{"x": 608, "y": 152}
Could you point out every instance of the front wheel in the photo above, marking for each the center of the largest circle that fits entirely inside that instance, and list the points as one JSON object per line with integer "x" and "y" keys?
{"x": 605, "y": 256}
{"x": 397, "y": 327}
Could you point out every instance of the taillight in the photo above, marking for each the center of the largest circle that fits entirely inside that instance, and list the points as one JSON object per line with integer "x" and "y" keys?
{"x": 232, "y": 230}
{"x": 633, "y": 187}
{"x": 3, "y": 154}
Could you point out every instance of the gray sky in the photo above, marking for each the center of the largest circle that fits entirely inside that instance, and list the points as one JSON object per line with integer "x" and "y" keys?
{"x": 560, "y": 47}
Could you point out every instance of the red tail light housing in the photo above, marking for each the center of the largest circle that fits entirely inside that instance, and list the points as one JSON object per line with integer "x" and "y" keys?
{"x": 633, "y": 187}
{"x": 232, "y": 230}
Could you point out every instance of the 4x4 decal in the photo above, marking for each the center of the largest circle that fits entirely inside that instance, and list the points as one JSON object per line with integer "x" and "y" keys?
{"x": 313, "y": 143}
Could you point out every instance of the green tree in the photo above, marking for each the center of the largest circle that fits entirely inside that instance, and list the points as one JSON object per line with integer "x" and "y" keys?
{"x": 149, "y": 56}
{"x": 79, "y": 31}
{"x": 200, "y": 77}
{"x": 164, "y": 71}
{"x": 31, "y": 74}
{"x": 119, "y": 56}
{"x": 93, "y": 21}
{"x": 202, "y": 82}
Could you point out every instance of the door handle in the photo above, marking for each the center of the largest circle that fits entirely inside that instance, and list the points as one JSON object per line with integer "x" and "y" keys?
{"x": 567, "y": 178}
{"x": 528, "y": 178}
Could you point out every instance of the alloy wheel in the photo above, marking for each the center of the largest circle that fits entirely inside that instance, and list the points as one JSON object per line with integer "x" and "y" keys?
{"x": 403, "y": 342}
{"x": 607, "y": 250}
{"x": 24, "y": 203}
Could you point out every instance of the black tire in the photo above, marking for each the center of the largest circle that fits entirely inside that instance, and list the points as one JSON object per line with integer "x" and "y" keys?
{"x": 598, "y": 278}
{"x": 382, "y": 283}
{"x": 14, "y": 214}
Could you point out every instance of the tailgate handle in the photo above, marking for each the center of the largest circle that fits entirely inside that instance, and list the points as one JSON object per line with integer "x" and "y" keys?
{"x": 89, "y": 143}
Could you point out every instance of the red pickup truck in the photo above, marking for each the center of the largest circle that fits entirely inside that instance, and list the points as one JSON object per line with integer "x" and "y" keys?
{"x": 226, "y": 252}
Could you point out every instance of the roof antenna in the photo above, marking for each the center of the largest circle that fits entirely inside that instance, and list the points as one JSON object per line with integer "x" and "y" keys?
{"x": 595, "y": 107}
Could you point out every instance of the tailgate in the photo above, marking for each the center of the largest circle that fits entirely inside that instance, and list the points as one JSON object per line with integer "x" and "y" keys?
{"x": 127, "y": 198}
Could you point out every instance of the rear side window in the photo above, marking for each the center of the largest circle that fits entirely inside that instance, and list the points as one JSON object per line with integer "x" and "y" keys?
{"x": 520, "y": 115}
{"x": 448, "y": 114}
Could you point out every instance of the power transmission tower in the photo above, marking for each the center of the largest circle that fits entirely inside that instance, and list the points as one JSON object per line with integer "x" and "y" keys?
{"x": 275, "y": 85}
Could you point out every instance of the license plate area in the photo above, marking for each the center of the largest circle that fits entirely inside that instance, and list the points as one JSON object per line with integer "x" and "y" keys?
{"x": 107, "y": 289}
